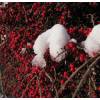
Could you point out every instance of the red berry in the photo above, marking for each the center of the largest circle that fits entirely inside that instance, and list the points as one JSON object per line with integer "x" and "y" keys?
{"x": 71, "y": 46}
{"x": 72, "y": 67}
{"x": 82, "y": 57}
{"x": 62, "y": 81}
{"x": 65, "y": 74}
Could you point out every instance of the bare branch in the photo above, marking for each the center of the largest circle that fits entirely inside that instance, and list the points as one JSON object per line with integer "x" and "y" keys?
{"x": 92, "y": 19}
{"x": 52, "y": 83}
{"x": 28, "y": 86}
{"x": 93, "y": 83}
{"x": 89, "y": 92}
{"x": 74, "y": 73}
{"x": 85, "y": 76}
{"x": 40, "y": 91}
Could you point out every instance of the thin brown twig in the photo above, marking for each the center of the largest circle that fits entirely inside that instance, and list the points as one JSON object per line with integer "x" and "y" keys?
{"x": 55, "y": 74}
{"x": 23, "y": 80}
{"x": 92, "y": 19}
{"x": 89, "y": 92}
{"x": 28, "y": 85}
{"x": 74, "y": 73}
{"x": 64, "y": 51}
{"x": 40, "y": 91}
{"x": 93, "y": 83}
{"x": 51, "y": 80}
{"x": 84, "y": 77}
{"x": 26, "y": 20}
{"x": 2, "y": 43}
{"x": 26, "y": 76}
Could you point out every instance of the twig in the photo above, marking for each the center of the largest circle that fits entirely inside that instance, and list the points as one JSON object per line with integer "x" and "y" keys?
{"x": 64, "y": 51}
{"x": 26, "y": 76}
{"x": 74, "y": 73}
{"x": 48, "y": 76}
{"x": 26, "y": 20}
{"x": 92, "y": 19}
{"x": 40, "y": 91}
{"x": 84, "y": 77}
{"x": 1, "y": 85}
{"x": 93, "y": 83}
{"x": 52, "y": 83}
{"x": 55, "y": 74}
{"x": 23, "y": 80}
{"x": 28, "y": 85}
{"x": 89, "y": 92}
{"x": 2, "y": 43}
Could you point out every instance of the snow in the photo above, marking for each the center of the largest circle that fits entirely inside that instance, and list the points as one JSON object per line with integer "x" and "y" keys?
{"x": 2, "y": 96}
{"x": 92, "y": 43}
{"x": 3, "y": 37}
{"x": 73, "y": 40}
{"x": 39, "y": 61}
{"x": 40, "y": 46}
{"x": 55, "y": 39}
{"x": 3, "y": 4}
{"x": 28, "y": 43}
{"x": 23, "y": 50}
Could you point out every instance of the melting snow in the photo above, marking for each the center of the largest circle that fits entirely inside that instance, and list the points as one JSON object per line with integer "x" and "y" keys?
{"x": 55, "y": 39}
{"x": 92, "y": 43}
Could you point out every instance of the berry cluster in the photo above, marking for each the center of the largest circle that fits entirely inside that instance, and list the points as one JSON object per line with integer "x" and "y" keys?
{"x": 21, "y": 23}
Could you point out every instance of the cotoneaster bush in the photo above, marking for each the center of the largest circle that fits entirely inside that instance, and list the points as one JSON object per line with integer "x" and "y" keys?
{"x": 22, "y": 23}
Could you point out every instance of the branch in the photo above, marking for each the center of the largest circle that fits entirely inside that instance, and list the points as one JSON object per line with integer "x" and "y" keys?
{"x": 27, "y": 86}
{"x": 89, "y": 92}
{"x": 92, "y": 19}
{"x": 59, "y": 54}
{"x": 2, "y": 43}
{"x": 74, "y": 73}
{"x": 52, "y": 83}
{"x": 84, "y": 77}
{"x": 93, "y": 83}
{"x": 26, "y": 20}
{"x": 23, "y": 80}
{"x": 40, "y": 91}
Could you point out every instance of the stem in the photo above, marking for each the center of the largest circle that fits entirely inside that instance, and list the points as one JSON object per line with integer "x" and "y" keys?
{"x": 92, "y": 19}
{"x": 74, "y": 73}
{"x": 89, "y": 92}
{"x": 93, "y": 83}
{"x": 40, "y": 91}
{"x": 52, "y": 83}
{"x": 84, "y": 77}
{"x": 26, "y": 20}
{"x": 28, "y": 85}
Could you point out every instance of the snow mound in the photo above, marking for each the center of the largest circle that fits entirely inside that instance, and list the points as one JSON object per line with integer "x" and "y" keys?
{"x": 39, "y": 60}
{"x": 92, "y": 43}
{"x": 41, "y": 45}
{"x": 55, "y": 39}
